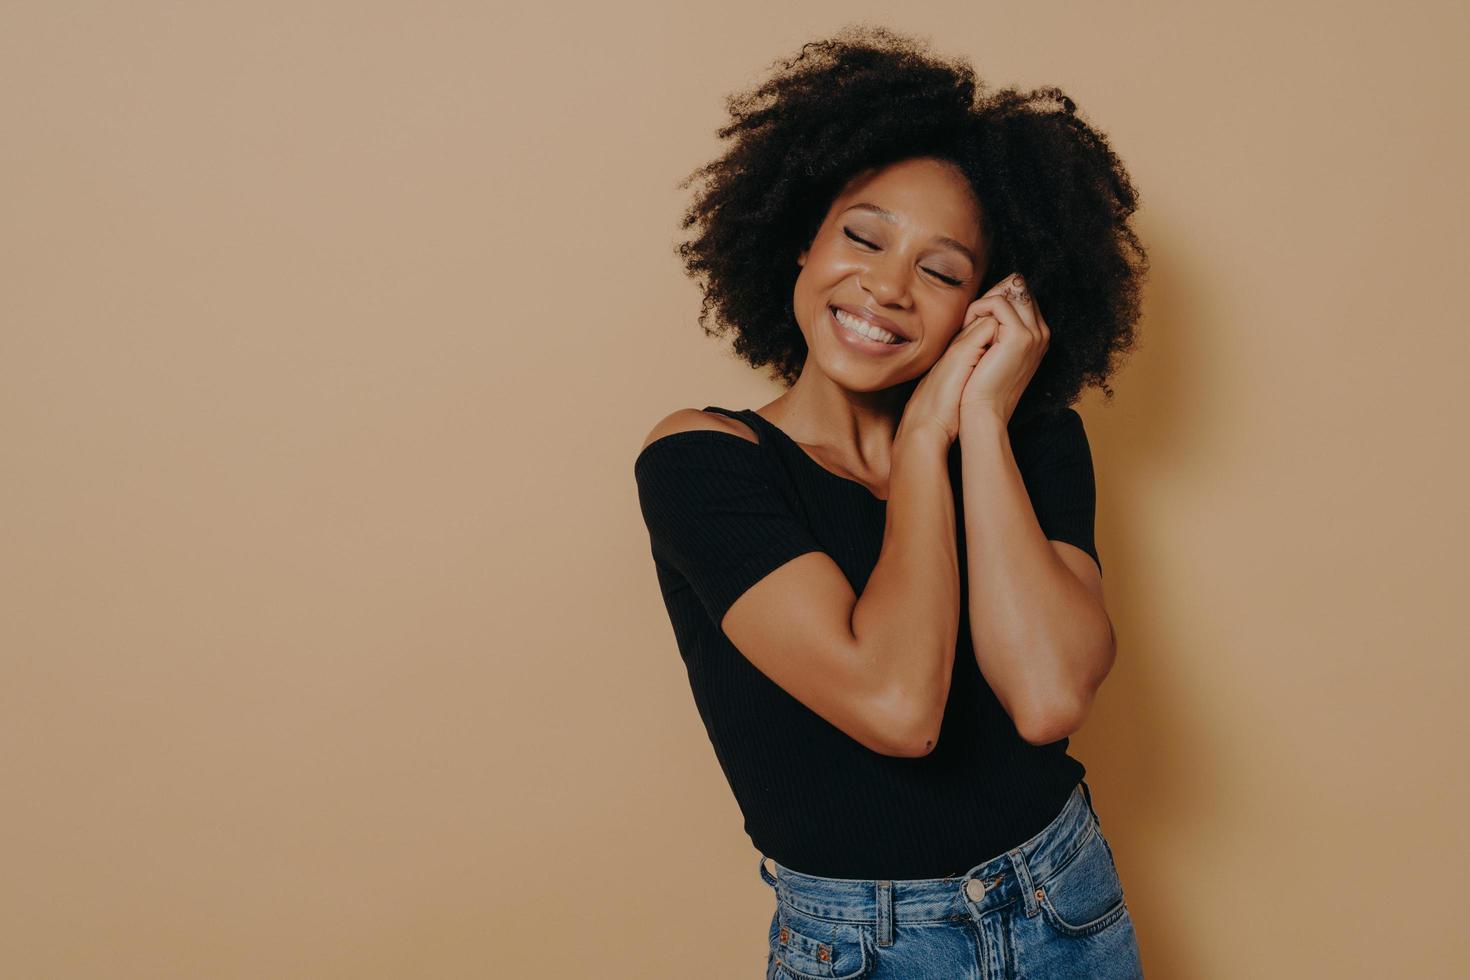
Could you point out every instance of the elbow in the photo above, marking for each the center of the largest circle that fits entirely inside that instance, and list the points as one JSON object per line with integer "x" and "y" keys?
{"x": 918, "y": 740}
{"x": 1046, "y": 729}
{"x": 923, "y": 719}
{"x": 1059, "y": 711}
{"x": 1052, "y": 721}
{"x": 909, "y": 730}
{"x": 911, "y": 747}
{"x": 904, "y": 713}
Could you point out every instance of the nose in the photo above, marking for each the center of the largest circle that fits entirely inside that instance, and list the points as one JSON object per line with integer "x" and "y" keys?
{"x": 887, "y": 285}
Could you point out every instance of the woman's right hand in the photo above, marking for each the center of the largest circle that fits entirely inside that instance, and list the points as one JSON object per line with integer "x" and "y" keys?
{"x": 936, "y": 399}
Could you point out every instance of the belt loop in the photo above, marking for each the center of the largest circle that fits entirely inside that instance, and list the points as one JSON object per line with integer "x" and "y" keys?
{"x": 1023, "y": 878}
{"x": 770, "y": 878}
{"x": 885, "y": 913}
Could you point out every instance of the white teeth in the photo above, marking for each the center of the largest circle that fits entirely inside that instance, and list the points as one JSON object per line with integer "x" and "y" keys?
{"x": 858, "y": 325}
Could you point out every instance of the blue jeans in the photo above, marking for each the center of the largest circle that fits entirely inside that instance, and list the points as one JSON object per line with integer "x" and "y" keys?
{"x": 1048, "y": 909}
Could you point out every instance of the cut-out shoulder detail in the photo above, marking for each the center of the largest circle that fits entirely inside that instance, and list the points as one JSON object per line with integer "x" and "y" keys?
{"x": 694, "y": 420}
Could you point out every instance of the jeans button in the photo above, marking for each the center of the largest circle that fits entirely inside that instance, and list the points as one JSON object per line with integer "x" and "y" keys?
{"x": 975, "y": 889}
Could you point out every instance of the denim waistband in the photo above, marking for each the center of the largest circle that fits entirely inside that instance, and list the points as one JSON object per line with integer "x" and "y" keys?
{"x": 992, "y": 884}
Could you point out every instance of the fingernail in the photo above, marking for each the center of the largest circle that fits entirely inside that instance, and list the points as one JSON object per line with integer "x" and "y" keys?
{"x": 1016, "y": 280}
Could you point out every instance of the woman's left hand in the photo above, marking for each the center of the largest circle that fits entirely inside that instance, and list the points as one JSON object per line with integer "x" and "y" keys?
{"x": 1008, "y": 364}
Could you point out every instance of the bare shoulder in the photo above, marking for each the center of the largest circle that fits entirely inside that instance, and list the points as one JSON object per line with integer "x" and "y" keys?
{"x": 692, "y": 420}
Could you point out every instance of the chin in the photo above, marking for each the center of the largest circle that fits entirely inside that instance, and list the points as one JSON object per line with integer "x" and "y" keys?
{"x": 851, "y": 376}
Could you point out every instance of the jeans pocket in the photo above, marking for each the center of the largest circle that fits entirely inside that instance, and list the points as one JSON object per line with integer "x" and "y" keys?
{"x": 805, "y": 947}
{"x": 1085, "y": 895}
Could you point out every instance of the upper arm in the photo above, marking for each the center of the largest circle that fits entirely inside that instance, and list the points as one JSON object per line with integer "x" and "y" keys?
{"x": 779, "y": 598}
{"x": 1065, "y": 503}
{"x": 1066, "y": 500}
{"x": 1056, "y": 465}
{"x": 1082, "y": 565}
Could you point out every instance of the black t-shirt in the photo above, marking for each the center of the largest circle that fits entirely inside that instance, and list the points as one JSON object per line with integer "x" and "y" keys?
{"x": 722, "y": 513}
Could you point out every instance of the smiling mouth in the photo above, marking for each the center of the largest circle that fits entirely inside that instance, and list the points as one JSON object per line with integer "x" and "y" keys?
{"x": 862, "y": 328}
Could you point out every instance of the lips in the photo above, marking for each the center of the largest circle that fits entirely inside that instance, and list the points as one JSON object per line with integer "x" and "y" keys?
{"x": 875, "y": 319}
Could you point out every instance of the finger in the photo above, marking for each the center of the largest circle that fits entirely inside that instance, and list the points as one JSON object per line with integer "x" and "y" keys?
{"x": 999, "y": 288}
{"x": 982, "y": 331}
{"x": 991, "y": 332}
{"x": 1011, "y": 290}
{"x": 1045, "y": 328}
{"x": 1025, "y": 303}
{"x": 1009, "y": 317}
{"x": 1020, "y": 298}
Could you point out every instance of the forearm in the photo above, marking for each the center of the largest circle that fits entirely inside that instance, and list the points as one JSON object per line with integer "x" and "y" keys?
{"x": 906, "y": 621}
{"x": 1041, "y": 638}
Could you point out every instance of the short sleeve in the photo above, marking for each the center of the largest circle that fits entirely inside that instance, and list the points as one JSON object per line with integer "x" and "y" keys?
{"x": 714, "y": 516}
{"x": 1056, "y": 467}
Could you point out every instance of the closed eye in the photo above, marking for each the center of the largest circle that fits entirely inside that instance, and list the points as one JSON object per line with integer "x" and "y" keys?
{"x": 942, "y": 278}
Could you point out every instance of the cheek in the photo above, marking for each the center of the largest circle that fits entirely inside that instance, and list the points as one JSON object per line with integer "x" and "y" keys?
{"x": 947, "y": 320}
{"x": 828, "y": 259}
{"x": 938, "y": 335}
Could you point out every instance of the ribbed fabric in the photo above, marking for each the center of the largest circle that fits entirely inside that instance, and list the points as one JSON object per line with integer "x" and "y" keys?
{"x": 722, "y": 513}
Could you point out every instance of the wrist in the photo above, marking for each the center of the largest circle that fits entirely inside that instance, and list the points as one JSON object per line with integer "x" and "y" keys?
{"x": 983, "y": 417}
{"x": 927, "y": 433}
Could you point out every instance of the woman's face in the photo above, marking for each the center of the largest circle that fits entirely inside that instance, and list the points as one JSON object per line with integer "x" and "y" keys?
{"x": 902, "y": 245}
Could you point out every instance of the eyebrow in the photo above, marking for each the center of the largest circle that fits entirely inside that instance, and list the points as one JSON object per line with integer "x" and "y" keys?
{"x": 944, "y": 240}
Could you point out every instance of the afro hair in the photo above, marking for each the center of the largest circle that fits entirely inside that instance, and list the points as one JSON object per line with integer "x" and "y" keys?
{"x": 1055, "y": 197}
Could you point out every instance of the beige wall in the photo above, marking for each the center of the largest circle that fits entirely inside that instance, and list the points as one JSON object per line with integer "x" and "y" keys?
{"x": 328, "y": 332}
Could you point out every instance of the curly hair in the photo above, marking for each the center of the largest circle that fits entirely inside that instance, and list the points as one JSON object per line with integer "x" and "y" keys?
{"x": 1055, "y": 197}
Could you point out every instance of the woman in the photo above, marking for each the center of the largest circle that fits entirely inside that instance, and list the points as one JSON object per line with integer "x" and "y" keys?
{"x": 884, "y": 583}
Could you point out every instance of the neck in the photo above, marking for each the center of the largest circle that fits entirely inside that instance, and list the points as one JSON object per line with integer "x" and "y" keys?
{"x": 856, "y": 426}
